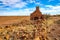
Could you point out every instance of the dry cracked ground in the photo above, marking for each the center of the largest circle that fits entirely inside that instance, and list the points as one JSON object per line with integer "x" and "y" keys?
{"x": 22, "y": 28}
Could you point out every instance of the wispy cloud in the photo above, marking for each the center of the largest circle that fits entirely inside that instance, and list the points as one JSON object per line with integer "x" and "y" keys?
{"x": 51, "y": 9}
{"x": 26, "y": 11}
{"x": 50, "y": 0}
{"x": 14, "y": 3}
{"x": 21, "y": 7}
{"x": 31, "y": 1}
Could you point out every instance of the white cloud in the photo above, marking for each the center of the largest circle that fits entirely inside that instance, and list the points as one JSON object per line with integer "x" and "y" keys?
{"x": 50, "y": 0}
{"x": 27, "y": 11}
{"x": 10, "y": 1}
{"x": 38, "y": 3}
{"x": 31, "y": 1}
{"x": 14, "y": 3}
{"x": 51, "y": 9}
{"x": 20, "y": 5}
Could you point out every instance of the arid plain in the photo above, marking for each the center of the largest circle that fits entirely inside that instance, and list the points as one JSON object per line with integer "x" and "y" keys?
{"x": 22, "y": 28}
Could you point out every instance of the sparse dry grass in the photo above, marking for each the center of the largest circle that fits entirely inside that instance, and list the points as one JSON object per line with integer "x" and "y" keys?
{"x": 21, "y": 28}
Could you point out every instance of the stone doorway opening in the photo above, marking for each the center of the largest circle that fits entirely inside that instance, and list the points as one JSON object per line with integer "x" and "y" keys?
{"x": 36, "y": 18}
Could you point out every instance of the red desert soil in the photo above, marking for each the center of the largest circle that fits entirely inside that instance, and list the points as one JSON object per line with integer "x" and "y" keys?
{"x": 23, "y": 29}
{"x": 12, "y": 19}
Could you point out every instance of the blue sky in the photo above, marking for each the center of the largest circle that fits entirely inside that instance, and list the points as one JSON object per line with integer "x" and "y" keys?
{"x": 26, "y": 7}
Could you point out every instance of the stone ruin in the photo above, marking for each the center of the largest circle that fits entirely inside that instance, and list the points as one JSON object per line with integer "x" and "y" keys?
{"x": 37, "y": 18}
{"x": 36, "y": 15}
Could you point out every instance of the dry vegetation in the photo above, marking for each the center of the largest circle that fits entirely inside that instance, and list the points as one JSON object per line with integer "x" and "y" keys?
{"x": 53, "y": 28}
{"x": 22, "y": 28}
